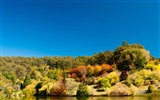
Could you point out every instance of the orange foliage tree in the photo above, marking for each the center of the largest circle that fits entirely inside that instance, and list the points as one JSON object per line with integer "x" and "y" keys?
{"x": 81, "y": 72}
{"x": 106, "y": 68}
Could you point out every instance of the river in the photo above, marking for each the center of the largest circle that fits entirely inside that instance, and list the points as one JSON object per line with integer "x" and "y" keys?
{"x": 93, "y": 98}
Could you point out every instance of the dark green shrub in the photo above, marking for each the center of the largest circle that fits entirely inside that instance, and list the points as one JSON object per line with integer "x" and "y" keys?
{"x": 27, "y": 81}
{"x": 53, "y": 74}
{"x": 82, "y": 91}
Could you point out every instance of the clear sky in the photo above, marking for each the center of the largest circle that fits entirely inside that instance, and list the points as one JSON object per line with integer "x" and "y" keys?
{"x": 77, "y": 27}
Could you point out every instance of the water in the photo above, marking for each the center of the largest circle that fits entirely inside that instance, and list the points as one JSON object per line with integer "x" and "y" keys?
{"x": 93, "y": 98}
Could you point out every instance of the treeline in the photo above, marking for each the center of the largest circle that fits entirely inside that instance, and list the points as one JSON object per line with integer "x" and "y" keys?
{"x": 58, "y": 61}
{"x": 125, "y": 57}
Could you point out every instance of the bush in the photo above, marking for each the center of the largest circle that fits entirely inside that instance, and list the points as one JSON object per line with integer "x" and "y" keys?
{"x": 106, "y": 68}
{"x": 90, "y": 70}
{"x": 73, "y": 73}
{"x": 30, "y": 90}
{"x": 136, "y": 79}
{"x": 155, "y": 75}
{"x": 27, "y": 81}
{"x": 113, "y": 77}
{"x": 105, "y": 82}
{"x": 152, "y": 66}
{"x": 81, "y": 73}
{"x": 146, "y": 74}
{"x": 54, "y": 74}
{"x": 59, "y": 91}
{"x": 97, "y": 70}
{"x": 44, "y": 88}
{"x": 82, "y": 91}
{"x": 10, "y": 76}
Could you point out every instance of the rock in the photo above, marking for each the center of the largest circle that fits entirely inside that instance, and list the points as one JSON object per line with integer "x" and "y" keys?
{"x": 120, "y": 90}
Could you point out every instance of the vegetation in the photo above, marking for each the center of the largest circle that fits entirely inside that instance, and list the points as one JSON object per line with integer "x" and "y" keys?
{"x": 82, "y": 91}
{"x": 129, "y": 66}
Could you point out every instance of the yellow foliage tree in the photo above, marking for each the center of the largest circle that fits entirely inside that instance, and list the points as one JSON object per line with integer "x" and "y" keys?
{"x": 97, "y": 70}
{"x": 90, "y": 70}
{"x": 30, "y": 90}
{"x": 113, "y": 77}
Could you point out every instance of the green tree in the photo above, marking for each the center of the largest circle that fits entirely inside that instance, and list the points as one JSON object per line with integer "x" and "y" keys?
{"x": 10, "y": 76}
{"x": 100, "y": 58}
{"x": 130, "y": 57}
{"x": 125, "y": 43}
{"x": 27, "y": 80}
{"x": 54, "y": 74}
{"x": 82, "y": 91}
{"x": 105, "y": 82}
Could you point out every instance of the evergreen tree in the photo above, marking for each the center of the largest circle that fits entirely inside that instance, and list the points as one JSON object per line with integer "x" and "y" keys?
{"x": 27, "y": 81}
{"x": 82, "y": 91}
{"x": 125, "y": 43}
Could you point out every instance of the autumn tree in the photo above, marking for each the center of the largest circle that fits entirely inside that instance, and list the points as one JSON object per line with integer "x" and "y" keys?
{"x": 90, "y": 70}
{"x": 81, "y": 72}
{"x": 106, "y": 68}
{"x": 97, "y": 70}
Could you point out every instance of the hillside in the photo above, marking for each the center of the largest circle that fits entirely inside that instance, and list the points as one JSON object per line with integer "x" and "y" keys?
{"x": 128, "y": 70}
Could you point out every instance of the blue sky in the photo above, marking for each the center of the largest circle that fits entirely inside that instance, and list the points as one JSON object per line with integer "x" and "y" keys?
{"x": 77, "y": 27}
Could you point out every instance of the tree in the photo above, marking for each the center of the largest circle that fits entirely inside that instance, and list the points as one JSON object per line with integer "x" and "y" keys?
{"x": 82, "y": 91}
{"x": 27, "y": 81}
{"x": 105, "y": 82}
{"x": 81, "y": 72}
{"x": 54, "y": 74}
{"x": 130, "y": 57}
{"x": 106, "y": 68}
{"x": 125, "y": 43}
{"x": 124, "y": 75}
{"x": 97, "y": 70}
{"x": 90, "y": 70}
{"x": 100, "y": 58}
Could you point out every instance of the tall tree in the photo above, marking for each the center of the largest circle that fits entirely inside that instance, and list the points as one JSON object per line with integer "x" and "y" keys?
{"x": 125, "y": 43}
{"x": 27, "y": 81}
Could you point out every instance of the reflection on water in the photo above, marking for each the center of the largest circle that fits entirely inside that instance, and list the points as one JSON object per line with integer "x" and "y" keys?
{"x": 93, "y": 98}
